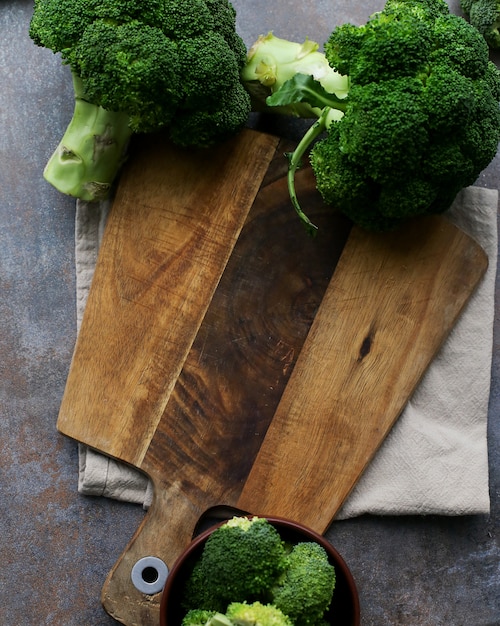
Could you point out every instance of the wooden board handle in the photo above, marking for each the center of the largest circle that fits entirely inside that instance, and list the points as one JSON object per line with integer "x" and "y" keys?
{"x": 160, "y": 536}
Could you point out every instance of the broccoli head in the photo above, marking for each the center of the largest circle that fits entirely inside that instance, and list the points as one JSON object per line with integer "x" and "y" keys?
{"x": 240, "y": 560}
{"x": 171, "y": 65}
{"x": 485, "y": 16}
{"x": 419, "y": 121}
{"x": 304, "y": 591}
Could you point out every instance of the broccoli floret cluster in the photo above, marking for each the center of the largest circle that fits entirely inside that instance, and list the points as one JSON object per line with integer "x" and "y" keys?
{"x": 249, "y": 576}
{"x": 303, "y": 602}
{"x": 419, "y": 121}
{"x": 239, "y": 614}
{"x": 241, "y": 560}
{"x": 485, "y": 16}
{"x": 141, "y": 66}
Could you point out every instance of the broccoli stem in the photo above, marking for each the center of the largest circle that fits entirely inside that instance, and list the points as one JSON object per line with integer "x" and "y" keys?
{"x": 295, "y": 161}
{"x": 91, "y": 151}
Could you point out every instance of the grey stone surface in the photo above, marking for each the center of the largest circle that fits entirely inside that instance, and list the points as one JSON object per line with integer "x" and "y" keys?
{"x": 56, "y": 547}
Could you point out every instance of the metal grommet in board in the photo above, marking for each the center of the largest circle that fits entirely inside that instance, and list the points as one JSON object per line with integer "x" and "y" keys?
{"x": 149, "y": 575}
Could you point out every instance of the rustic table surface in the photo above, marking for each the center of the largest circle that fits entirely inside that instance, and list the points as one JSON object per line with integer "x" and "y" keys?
{"x": 56, "y": 547}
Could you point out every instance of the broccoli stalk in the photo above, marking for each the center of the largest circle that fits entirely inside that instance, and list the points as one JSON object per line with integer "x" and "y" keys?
{"x": 419, "y": 121}
{"x": 140, "y": 67}
{"x": 272, "y": 61}
{"x": 327, "y": 106}
{"x": 91, "y": 151}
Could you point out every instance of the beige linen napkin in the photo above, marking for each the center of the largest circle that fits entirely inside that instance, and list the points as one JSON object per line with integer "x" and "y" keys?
{"x": 435, "y": 459}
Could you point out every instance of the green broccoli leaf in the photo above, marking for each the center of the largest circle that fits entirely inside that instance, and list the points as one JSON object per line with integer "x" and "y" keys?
{"x": 305, "y": 88}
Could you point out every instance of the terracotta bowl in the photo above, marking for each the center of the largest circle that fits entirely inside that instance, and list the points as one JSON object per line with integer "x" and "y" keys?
{"x": 345, "y": 604}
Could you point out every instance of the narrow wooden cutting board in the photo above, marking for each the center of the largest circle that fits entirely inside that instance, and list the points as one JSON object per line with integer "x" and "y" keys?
{"x": 174, "y": 222}
{"x": 393, "y": 299}
{"x": 204, "y": 294}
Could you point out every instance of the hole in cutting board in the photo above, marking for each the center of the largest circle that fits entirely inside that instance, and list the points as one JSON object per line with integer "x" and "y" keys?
{"x": 149, "y": 575}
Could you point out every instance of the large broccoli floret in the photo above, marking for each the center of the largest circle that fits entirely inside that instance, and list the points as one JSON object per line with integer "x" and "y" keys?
{"x": 485, "y": 16}
{"x": 140, "y": 66}
{"x": 241, "y": 560}
{"x": 419, "y": 121}
{"x": 304, "y": 591}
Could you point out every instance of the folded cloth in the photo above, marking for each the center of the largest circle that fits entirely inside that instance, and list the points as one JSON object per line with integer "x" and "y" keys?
{"x": 435, "y": 459}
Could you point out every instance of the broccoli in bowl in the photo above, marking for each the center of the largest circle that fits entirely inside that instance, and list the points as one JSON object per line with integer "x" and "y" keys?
{"x": 283, "y": 574}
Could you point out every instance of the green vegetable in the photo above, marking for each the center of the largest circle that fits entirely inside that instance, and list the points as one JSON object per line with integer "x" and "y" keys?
{"x": 304, "y": 591}
{"x": 256, "y": 614}
{"x": 419, "y": 120}
{"x": 197, "y": 617}
{"x": 485, "y": 16}
{"x": 247, "y": 575}
{"x": 271, "y": 62}
{"x": 241, "y": 560}
{"x": 239, "y": 614}
{"x": 140, "y": 66}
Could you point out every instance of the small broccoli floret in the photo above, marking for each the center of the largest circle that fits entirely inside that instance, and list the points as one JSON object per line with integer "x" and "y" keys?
{"x": 421, "y": 9}
{"x": 197, "y": 617}
{"x": 151, "y": 64}
{"x": 419, "y": 122}
{"x": 224, "y": 16}
{"x": 240, "y": 560}
{"x": 305, "y": 590}
{"x": 118, "y": 67}
{"x": 485, "y": 16}
{"x": 384, "y": 48}
{"x": 459, "y": 46}
{"x": 59, "y": 24}
{"x": 212, "y": 124}
{"x": 256, "y": 614}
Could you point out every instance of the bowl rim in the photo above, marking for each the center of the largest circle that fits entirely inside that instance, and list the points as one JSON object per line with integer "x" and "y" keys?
{"x": 278, "y": 521}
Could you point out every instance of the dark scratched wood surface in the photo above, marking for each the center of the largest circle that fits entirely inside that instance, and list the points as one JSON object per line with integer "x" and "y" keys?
{"x": 56, "y": 547}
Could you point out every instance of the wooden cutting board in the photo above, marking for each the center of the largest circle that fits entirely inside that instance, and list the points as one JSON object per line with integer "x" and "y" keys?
{"x": 204, "y": 294}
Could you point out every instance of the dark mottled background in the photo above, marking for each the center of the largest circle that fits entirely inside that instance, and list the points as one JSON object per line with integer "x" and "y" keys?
{"x": 56, "y": 547}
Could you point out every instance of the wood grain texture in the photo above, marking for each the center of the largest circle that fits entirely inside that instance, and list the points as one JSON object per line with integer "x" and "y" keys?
{"x": 207, "y": 289}
{"x": 175, "y": 219}
{"x": 391, "y": 303}
{"x": 233, "y": 377}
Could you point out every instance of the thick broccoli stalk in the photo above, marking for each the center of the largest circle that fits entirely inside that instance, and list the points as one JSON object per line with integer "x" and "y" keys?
{"x": 91, "y": 151}
{"x": 241, "y": 560}
{"x": 272, "y": 61}
{"x": 140, "y": 67}
{"x": 304, "y": 591}
{"x": 420, "y": 121}
{"x": 485, "y": 16}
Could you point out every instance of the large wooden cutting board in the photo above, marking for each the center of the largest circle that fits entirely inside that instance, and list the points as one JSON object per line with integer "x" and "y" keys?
{"x": 201, "y": 304}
